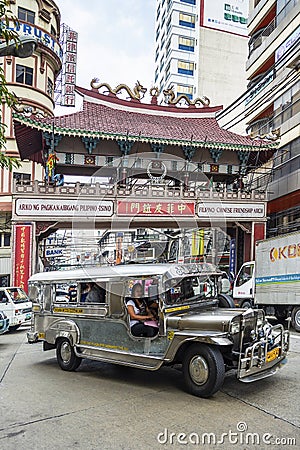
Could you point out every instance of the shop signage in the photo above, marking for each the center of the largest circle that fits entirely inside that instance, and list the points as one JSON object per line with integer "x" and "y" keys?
{"x": 287, "y": 44}
{"x": 259, "y": 87}
{"x": 53, "y": 252}
{"x": 30, "y": 207}
{"x": 69, "y": 45}
{"x": 25, "y": 29}
{"x": 155, "y": 208}
{"x": 22, "y": 255}
{"x": 237, "y": 211}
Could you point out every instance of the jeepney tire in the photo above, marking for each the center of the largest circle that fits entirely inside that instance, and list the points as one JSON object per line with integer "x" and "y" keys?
{"x": 247, "y": 304}
{"x": 66, "y": 357}
{"x": 203, "y": 370}
{"x": 296, "y": 318}
{"x": 225, "y": 301}
{"x": 14, "y": 327}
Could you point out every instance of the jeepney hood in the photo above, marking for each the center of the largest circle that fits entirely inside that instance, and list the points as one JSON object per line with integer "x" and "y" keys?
{"x": 217, "y": 319}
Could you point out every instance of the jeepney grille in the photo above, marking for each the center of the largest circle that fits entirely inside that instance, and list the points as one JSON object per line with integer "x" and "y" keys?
{"x": 249, "y": 325}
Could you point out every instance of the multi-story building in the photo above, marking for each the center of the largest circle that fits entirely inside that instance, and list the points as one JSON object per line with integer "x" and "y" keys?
{"x": 201, "y": 48}
{"x": 273, "y": 101}
{"x": 32, "y": 80}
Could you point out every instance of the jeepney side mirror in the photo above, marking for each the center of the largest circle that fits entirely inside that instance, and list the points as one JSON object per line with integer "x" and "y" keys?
{"x": 225, "y": 286}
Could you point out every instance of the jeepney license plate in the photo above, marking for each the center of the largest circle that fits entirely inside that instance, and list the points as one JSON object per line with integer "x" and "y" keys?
{"x": 273, "y": 354}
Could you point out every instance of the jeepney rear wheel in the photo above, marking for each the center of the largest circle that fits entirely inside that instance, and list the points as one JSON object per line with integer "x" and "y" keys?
{"x": 66, "y": 357}
{"x": 203, "y": 370}
{"x": 296, "y": 318}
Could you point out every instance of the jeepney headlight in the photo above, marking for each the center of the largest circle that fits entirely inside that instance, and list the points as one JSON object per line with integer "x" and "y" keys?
{"x": 235, "y": 327}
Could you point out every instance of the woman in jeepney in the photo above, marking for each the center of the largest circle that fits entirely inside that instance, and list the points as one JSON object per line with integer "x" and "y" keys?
{"x": 139, "y": 314}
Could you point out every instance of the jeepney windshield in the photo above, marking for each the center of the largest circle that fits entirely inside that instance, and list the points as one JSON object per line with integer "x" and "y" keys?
{"x": 17, "y": 295}
{"x": 190, "y": 289}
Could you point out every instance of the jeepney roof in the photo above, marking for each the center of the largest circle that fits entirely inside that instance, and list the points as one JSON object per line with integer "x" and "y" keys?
{"x": 127, "y": 271}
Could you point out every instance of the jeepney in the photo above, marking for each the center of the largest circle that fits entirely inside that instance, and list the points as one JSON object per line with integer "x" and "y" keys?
{"x": 205, "y": 339}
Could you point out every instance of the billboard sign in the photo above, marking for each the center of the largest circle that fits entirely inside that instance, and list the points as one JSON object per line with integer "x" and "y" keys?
{"x": 230, "y": 16}
{"x": 68, "y": 76}
{"x": 154, "y": 208}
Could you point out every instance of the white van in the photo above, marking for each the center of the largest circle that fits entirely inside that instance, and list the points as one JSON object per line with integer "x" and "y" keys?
{"x": 16, "y": 305}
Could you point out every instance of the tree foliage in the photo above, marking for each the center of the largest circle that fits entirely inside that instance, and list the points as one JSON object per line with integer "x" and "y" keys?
{"x": 6, "y": 96}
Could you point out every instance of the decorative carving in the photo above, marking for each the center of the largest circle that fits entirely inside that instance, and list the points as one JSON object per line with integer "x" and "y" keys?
{"x": 137, "y": 93}
{"x": 243, "y": 157}
{"x": 42, "y": 227}
{"x": 52, "y": 140}
{"x": 189, "y": 151}
{"x": 157, "y": 165}
{"x": 43, "y": 60}
{"x": 29, "y": 110}
{"x": 171, "y": 99}
{"x": 90, "y": 143}
{"x": 125, "y": 147}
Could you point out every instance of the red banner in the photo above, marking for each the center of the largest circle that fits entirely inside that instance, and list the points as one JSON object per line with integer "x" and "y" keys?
{"x": 22, "y": 255}
{"x": 155, "y": 208}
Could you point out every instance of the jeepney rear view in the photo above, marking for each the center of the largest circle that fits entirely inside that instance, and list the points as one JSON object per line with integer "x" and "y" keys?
{"x": 193, "y": 330}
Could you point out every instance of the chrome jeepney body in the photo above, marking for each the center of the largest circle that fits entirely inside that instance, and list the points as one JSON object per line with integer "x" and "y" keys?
{"x": 190, "y": 323}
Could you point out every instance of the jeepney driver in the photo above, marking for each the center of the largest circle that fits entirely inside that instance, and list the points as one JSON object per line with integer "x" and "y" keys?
{"x": 139, "y": 313}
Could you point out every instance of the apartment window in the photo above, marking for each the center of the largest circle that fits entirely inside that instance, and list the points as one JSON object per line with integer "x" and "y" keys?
{"x": 49, "y": 87}
{"x": 26, "y": 15}
{"x": 186, "y": 90}
{"x": 156, "y": 53}
{"x": 186, "y": 44}
{"x": 187, "y": 20}
{"x": 283, "y": 8}
{"x": 5, "y": 239}
{"x": 24, "y": 75}
{"x": 185, "y": 68}
{"x": 190, "y": 2}
{"x": 287, "y": 105}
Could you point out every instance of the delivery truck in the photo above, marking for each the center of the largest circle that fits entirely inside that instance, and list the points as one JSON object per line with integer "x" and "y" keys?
{"x": 272, "y": 281}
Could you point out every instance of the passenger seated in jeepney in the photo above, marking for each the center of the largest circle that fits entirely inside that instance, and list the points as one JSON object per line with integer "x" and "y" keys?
{"x": 92, "y": 293}
{"x": 139, "y": 314}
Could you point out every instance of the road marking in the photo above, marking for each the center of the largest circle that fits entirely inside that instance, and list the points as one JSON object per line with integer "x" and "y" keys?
{"x": 294, "y": 337}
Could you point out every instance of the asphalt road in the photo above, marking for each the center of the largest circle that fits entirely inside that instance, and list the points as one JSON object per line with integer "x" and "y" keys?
{"x": 102, "y": 406}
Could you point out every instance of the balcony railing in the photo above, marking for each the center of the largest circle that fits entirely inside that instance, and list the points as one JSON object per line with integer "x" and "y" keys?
{"x": 259, "y": 37}
{"x": 218, "y": 191}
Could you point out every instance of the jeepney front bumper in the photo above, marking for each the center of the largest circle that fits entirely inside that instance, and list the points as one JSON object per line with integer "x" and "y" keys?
{"x": 265, "y": 356}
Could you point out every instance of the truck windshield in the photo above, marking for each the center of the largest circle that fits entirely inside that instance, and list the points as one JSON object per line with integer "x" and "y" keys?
{"x": 190, "y": 289}
{"x": 17, "y": 295}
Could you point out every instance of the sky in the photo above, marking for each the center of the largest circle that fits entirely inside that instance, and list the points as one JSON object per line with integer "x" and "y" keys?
{"x": 116, "y": 40}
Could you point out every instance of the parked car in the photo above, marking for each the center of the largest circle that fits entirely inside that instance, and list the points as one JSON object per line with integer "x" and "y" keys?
{"x": 15, "y": 303}
{"x": 4, "y": 322}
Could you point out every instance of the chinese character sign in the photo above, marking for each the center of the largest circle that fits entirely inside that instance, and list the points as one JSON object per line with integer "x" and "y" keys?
{"x": 22, "y": 255}
{"x": 150, "y": 208}
{"x": 69, "y": 45}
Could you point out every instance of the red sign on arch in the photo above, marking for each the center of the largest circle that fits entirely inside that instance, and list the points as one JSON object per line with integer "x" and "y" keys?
{"x": 22, "y": 255}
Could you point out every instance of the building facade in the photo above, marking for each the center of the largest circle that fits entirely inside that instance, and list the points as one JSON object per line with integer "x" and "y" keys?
{"x": 273, "y": 102}
{"x": 201, "y": 48}
{"x": 32, "y": 80}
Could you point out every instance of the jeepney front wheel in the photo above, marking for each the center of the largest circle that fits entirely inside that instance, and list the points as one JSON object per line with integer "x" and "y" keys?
{"x": 203, "y": 370}
{"x": 66, "y": 356}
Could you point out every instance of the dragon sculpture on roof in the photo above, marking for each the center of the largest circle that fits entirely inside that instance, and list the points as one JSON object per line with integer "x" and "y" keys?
{"x": 137, "y": 93}
{"x": 171, "y": 99}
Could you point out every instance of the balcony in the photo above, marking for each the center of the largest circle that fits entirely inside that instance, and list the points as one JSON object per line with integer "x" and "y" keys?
{"x": 191, "y": 190}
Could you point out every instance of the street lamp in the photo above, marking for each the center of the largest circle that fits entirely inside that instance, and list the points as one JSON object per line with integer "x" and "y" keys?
{"x": 23, "y": 48}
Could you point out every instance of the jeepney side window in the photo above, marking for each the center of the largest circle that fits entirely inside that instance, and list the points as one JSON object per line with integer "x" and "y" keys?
{"x": 47, "y": 296}
{"x": 34, "y": 292}
{"x": 92, "y": 292}
{"x": 66, "y": 292}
